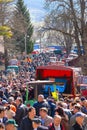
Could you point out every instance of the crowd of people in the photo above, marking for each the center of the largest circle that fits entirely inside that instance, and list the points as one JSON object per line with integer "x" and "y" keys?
{"x": 65, "y": 114}
{"x": 46, "y": 113}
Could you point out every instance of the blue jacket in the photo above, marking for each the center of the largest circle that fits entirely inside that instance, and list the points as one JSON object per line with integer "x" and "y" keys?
{"x": 38, "y": 105}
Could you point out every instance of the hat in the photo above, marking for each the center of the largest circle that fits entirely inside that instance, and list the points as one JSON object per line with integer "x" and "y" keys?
{"x": 80, "y": 115}
{"x": 44, "y": 108}
{"x": 83, "y": 98}
{"x": 2, "y": 108}
{"x": 78, "y": 107}
{"x": 11, "y": 121}
{"x": 4, "y": 102}
{"x": 36, "y": 120}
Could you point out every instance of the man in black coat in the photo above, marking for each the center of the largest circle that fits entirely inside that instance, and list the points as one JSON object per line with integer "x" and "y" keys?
{"x": 36, "y": 123}
{"x": 21, "y": 111}
{"x": 26, "y": 123}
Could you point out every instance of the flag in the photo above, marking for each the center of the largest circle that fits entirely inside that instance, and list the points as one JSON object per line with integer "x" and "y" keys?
{"x": 55, "y": 94}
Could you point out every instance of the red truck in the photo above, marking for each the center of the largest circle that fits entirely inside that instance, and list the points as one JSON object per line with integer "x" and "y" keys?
{"x": 64, "y": 77}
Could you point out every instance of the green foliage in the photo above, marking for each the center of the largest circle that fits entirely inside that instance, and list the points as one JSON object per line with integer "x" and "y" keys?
{"x": 24, "y": 17}
{"x": 5, "y": 1}
{"x": 30, "y": 46}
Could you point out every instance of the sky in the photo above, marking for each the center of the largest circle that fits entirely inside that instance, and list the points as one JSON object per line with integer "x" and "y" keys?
{"x": 36, "y": 9}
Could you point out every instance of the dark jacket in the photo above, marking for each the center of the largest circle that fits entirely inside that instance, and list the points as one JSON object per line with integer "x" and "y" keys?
{"x": 5, "y": 119}
{"x": 20, "y": 113}
{"x": 42, "y": 128}
{"x": 26, "y": 124}
{"x": 51, "y": 127}
{"x": 76, "y": 126}
{"x": 38, "y": 105}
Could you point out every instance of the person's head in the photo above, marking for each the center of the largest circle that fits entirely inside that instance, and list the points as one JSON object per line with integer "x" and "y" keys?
{"x": 2, "y": 111}
{"x": 71, "y": 106}
{"x": 11, "y": 99}
{"x": 43, "y": 112}
{"x": 36, "y": 122}
{"x": 19, "y": 101}
{"x": 59, "y": 111}
{"x": 59, "y": 104}
{"x": 40, "y": 98}
{"x": 4, "y": 103}
{"x": 85, "y": 103}
{"x": 2, "y": 126}
{"x": 83, "y": 99}
{"x": 76, "y": 108}
{"x": 57, "y": 120}
{"x": 80, "y": 118}
{"x": 31, "y": 112}
{"x": 65, "y": 106}
{"x": 10, "y": 124}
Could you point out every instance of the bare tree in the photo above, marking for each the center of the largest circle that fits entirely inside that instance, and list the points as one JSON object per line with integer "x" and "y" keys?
{"x": 71, "y": 16}
{"x": 58, "y": 20}
{"x": 5, "y": 15}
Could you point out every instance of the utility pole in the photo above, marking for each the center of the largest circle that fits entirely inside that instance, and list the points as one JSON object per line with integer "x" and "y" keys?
{"x": 25, "y": 43}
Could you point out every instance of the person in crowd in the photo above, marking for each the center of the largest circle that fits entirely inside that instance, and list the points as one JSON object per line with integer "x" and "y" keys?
{"x": 85, "y": 122}
{"x": 71, "y": 106}
{"x": 3, "y": 117}
{"x": 84, "y": 105}
{"x": 26, "y": 123}
{"x": 11, "y": 124}
{"x": 76, "y": 110}
{"x": 12, "y": 103}
{"x": 64, "y": 117}
{"x": 2, "y": 126}
{"x": 36, "y": 123}
{"x": 45, "y": 118}
{"x": 52, "y": 106}
{"x": 78, "y": 125}
{"x": 21, "y": 111}
{"x": 2, "y": 95}
{"x": 4, "y": 103}
{"x": 66, "y": 110}
{"x": 56, "y": 125}
{"x": 9, "y": 112}
{"x": 82, "y": 100}
{"x": 41, "y": 103}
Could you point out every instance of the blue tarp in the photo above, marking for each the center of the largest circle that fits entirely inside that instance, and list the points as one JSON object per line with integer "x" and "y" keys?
{"x": 60, "y": 85}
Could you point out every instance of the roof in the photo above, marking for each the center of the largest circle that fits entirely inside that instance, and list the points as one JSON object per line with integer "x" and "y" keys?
{"x": 55, "y": 67}
{"x": 40, "y": 82}
{"x": 52, "y": 71}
